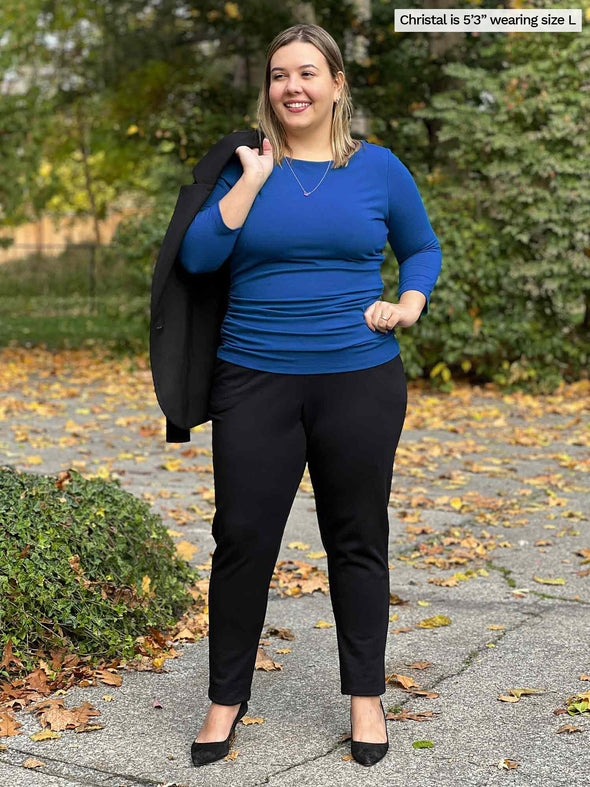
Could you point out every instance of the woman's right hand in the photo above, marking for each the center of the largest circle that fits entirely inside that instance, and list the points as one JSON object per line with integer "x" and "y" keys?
{"x": 257, "y": 167}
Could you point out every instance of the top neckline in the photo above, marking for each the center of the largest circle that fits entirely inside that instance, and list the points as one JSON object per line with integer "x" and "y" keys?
{"x": 310, "y": 161}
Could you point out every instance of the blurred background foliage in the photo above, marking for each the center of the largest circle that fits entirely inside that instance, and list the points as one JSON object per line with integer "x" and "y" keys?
{"x": 108, "y": 104}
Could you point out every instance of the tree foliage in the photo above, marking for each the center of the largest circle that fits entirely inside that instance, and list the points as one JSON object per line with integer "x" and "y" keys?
{"x": 118, "y": 100}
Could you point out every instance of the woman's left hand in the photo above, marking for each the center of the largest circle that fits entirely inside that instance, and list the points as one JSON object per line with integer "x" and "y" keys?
{"x": 383, "y": 316}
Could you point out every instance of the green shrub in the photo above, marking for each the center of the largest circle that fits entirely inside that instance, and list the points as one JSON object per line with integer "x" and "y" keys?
{"x": 84, "y": 566}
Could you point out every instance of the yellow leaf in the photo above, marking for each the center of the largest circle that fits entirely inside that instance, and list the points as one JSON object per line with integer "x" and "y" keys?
{"x": 516, "y": 694}
{"x": 185, "y": 550}
{"x": 442, "y": 369}
{"x": 232, "y": 10}
{"x": 323, "y": 624}
{"x": 434, "y": 622}
{"x": 44, "y": 735}
{"x": 145, "y": 585}
{"x": 556, "y": 581}
{"x": 298, "y": 545}
{"x": 172, "y": 464}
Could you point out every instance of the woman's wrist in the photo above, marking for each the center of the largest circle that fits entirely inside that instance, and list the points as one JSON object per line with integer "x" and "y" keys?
{"x": 413, "y": 300}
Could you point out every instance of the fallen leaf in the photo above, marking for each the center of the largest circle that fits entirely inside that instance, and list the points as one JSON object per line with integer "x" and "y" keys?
{"x": 507, "y": 764}
{"x": 108, "y": 677}
{"x": 264, "y": 662}
{"x": 252, "y": 719}
{"x": 88, "y": 727}
{"x": 44, "y": 735}
{"x": 185, "y": 550}
{"x": 404, "y": 680}
{"x": 515, "y": 694}
{"x": 31, "y": 762}
{"x": 420, "y": 665}
{"x": 569, "y": 728}
{"x": 407, "y": 715}
{"x": 434, "y": 622}
{"x": 282, "y": 633}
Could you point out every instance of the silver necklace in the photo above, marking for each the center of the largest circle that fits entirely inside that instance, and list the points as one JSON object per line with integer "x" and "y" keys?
{"x": 307, "y": 193}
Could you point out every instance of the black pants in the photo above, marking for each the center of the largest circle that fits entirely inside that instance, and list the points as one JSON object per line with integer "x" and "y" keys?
{"x": 266, "y": 426}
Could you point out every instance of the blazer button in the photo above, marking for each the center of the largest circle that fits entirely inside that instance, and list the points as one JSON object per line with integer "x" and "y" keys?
{"x": 158, "y": 327}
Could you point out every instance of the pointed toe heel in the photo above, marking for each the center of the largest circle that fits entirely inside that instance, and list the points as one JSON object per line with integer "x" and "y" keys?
{"x": 204, "y": 753}
{"x": 369, "y": 753}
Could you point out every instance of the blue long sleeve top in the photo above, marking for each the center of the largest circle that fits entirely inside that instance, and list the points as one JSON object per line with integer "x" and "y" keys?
{"x": 304, "y": 269}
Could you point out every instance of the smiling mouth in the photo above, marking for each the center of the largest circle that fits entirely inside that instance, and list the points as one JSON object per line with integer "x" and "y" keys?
{"x": 297, "y": 106}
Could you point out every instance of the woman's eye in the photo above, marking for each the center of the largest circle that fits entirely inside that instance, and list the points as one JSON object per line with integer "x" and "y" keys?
{"x": 309, "y": 73}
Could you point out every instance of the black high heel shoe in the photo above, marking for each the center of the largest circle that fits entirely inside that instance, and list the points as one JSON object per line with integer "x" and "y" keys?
{"x": 369, "y": 753}
{"x": 206, "y": 752}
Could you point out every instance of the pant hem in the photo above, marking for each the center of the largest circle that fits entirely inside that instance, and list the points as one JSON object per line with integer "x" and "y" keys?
{"x": 229, "y": 702}
{"x": 365, "y": 693}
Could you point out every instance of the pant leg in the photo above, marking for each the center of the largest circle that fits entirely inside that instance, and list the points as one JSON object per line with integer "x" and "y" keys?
{"x": 353, "y": 422}
{"x": 259, "y": 453}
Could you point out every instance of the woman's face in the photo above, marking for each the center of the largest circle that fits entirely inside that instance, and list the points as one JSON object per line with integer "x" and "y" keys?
{"x": 299, "y": 73}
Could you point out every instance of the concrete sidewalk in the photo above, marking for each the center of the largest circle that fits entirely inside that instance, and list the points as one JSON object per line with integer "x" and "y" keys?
{"x": 487, "y": 479}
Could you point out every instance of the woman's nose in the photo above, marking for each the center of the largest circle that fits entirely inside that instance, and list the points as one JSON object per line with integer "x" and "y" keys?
{"x": 293, "y": 87}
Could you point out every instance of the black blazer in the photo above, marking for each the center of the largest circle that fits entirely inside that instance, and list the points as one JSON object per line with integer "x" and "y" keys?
{"x": 187, "y": 309}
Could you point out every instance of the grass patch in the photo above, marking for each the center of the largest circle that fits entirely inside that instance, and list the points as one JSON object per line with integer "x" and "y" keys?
{"x": 78, "y": 299}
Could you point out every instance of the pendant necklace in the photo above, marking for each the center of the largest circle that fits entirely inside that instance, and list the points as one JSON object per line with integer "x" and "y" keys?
{"x": 307, "y": 193}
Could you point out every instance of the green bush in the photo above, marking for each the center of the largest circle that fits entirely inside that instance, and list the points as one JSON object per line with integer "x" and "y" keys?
{"x": 75, "y": 558}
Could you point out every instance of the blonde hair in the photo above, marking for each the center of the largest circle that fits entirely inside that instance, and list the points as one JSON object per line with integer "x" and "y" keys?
{"x": 343, "y": 145}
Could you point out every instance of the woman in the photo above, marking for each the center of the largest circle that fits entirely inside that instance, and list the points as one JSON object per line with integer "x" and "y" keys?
{"x": 308, "y": 370}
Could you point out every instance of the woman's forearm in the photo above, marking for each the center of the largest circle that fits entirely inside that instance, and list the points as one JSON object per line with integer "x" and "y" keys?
{"x": 415, "y": 299}
{"x": 236, "y": 204}
{"x": 212, "y": 235}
